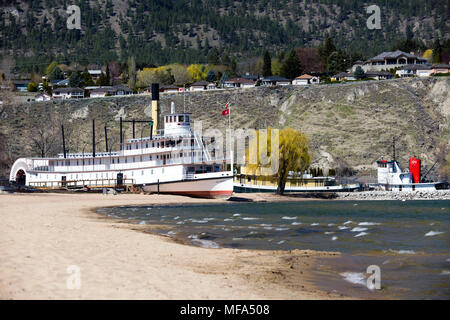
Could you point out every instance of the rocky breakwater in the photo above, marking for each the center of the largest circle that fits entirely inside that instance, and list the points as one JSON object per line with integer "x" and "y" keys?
{"x": 391, "y": 195}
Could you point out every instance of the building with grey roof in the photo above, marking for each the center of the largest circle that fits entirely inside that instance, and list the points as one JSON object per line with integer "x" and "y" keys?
{"x": 391, "y": 60}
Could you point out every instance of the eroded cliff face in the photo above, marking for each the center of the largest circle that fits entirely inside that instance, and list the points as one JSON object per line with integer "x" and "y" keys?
{"x": 352, "y": 123}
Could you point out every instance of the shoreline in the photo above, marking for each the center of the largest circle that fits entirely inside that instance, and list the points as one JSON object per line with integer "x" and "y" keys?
{"x": 393, "y": 195}
{"x": 43, "y": 234}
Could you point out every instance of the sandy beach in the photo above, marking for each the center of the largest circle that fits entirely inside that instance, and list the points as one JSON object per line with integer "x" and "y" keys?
{"x": 43, "y": 234}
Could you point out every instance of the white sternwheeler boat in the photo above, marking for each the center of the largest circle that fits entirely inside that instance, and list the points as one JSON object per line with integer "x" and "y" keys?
{"x": 172, "y": 160}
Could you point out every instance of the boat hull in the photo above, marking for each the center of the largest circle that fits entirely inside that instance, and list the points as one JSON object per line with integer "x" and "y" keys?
{"x": 202, "y": 188}
{"x": 245, "y": 188}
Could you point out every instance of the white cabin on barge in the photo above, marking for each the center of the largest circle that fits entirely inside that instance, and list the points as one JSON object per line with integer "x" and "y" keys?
{"x": 391, "y": 177}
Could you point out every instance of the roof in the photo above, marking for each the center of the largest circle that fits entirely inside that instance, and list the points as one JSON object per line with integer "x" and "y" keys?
{"x": 200, "y": 83}
{"x": 305, "y": 76}
{"x": 393, "y": 55}
{"x": 441, "y": 66}
{"x": 343, "y": 74}
{"x": 169, "y": 86}
{"x": 95, "y": 72}
{"x": 62, "y": 82}
{"x": 121, "y": 87}
{"x": 109, "y": 89}
{"x": 416, "y": 67}
{"x": 15, "y": 82}
{"x": 378, "y": 73}
{"x": 240, "y": 80}
{"x": 275, "y": 78}
{"x": 62, "y": 90}
{"x": 249, "y": 76}
{"x": 41, "y": 95}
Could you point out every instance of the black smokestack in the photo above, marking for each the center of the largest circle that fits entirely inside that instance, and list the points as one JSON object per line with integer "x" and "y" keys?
{"x": 93, "y": 138}
{"x": 106, "y": 139}
{"x": 155, "y": 91}
{"x": 63, "y": 141}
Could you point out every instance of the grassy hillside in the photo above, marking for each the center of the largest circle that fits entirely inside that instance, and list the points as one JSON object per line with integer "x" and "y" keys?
{"x": 347, "y": 123}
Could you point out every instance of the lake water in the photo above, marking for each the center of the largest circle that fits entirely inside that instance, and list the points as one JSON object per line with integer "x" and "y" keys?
{"x": 408, "y": 241}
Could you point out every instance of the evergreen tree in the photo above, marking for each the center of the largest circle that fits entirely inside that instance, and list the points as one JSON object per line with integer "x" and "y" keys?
{"x": 327, "y": 49}
{"x": 108, "y": 75}
{"x": 267, "y": 66}
{"x": 231, "y": 70}
{"x": 437, "y": 51}
{"x": 211, "y": 77}
{"x": 337, "y": 62}
{"x": 292, "y": 67}
{"x": 87, "y": 78}
{"x": 225, "y": 59}
{"x": 75, "y": 80}
{"x": 131, "y": 72}
{"x": 213, "y": 56}
{"x": 359, "y": 73}
{"x": 56, "y": 74}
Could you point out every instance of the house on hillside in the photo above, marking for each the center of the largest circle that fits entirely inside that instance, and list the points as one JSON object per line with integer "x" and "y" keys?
{"x": 95, "y": 74}
{"x": 414, "y": 70}
{"x": 21, "y": 85}
{"x": 275, "y": 81}
{"x": 239, "y": 83}
{"x": 202, "y": 85}
{"x": 42, "y": 97}
{"x": 211, "y": 86}
{"x": 249, "y": 76}
{"x": 440, "y": 68}
{"x": 68, "y": 93}
{"x": 168, "y": 89}
{"x": 99, "y": 92}
{"x": 343, "y": 76}
{"x": 379, "y": 75}
{"x": 121, "y": 90}
{"x": 357, "y": 64}
{"x": 59, "y": 83}
{"x": 305, "y": 79}
{"x": 391, "y": 60}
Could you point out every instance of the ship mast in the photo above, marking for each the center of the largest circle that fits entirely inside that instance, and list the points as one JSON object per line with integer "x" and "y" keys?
{"x": 393, "y": 148}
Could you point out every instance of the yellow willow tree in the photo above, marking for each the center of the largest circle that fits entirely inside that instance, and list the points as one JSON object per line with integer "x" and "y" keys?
{"x": 293, "y": 155}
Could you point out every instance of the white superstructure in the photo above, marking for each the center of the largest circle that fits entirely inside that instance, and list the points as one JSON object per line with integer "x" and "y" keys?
{"x": 176, "y": 160}
{"x": 391, "y": 177}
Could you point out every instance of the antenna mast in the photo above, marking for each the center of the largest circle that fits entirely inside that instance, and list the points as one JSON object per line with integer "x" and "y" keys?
{"x": 393, "y": 148}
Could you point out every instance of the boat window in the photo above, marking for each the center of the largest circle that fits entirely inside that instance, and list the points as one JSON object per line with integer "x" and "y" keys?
{"x": 187, "y": 118}
{"x": 181, "y": 119}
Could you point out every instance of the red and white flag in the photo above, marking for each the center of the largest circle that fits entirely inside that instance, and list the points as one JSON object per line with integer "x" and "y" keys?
{"x": 226, "y": 111}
